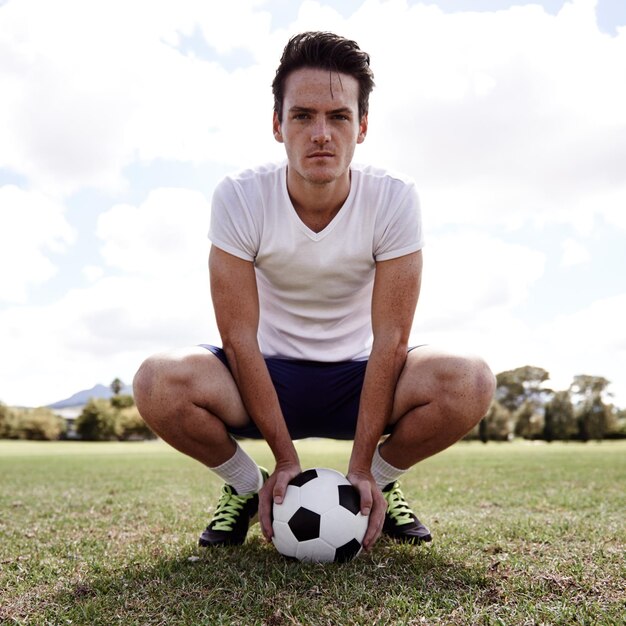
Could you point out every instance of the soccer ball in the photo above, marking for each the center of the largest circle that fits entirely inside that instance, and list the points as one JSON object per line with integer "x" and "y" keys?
{"x": 319, "y": 519}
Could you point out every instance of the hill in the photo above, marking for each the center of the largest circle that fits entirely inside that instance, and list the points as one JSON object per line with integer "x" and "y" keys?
{"x": 82, "y": 397}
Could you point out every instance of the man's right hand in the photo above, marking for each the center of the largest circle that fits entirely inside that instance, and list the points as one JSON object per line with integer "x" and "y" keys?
{"x": 373, "y": 503}
{"x": 274, "y": 491}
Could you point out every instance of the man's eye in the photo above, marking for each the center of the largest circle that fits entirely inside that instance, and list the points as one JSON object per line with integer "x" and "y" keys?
{"x": 301, "y": 116}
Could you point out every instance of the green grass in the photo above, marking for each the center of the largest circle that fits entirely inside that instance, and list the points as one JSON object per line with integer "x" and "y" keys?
{"x": 105, "y": 533}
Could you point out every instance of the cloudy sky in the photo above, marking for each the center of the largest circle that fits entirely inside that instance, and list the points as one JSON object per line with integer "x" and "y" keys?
{"x": 117, "y": 119}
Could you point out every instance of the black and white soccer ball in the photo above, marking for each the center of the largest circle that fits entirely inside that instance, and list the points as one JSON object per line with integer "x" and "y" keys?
{"x": 319, "y": 519}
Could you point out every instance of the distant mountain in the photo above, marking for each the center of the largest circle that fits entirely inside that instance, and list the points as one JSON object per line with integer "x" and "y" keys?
{"x": 82, "y": 397}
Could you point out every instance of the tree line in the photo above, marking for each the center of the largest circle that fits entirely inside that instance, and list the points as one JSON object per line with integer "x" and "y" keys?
{"x": 522, "y": 407}
{"x": 114, "y": 419}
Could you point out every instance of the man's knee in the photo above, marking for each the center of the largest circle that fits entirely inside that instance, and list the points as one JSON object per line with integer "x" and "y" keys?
{"x": 484, "y": 383}
{"x": 473, "y": 389}
{"x": 157, "y": 381}
{"x": 144, "y": 381}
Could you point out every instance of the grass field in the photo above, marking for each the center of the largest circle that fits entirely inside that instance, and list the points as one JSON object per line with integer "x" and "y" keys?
{"x": 105, "y": 533}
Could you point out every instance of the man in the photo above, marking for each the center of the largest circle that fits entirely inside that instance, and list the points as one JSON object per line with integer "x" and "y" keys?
{"x": 315, "y": 274}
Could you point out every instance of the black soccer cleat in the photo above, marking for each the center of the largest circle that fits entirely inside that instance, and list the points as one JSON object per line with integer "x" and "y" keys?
{"x": 233, "y": 516}
{"x": 401, "y": 524}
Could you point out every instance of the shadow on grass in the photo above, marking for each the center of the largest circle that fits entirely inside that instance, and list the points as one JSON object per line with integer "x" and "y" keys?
{"x": 253, "y": 584}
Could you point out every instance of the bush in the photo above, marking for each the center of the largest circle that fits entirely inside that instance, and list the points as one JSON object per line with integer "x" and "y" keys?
{"x": 8, "y": 422}
{"x": 130, "y": 425}
{"x": 97, "y": 421}
{"x": 38, "y": 424}
{"x": 118, "y": 418}
{"x": 122, "y": 401}
{"x": 497, "y": 425}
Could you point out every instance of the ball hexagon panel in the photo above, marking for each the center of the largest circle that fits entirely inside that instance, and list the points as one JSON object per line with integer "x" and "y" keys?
{"x": 321, "y": 494}
{"x": 316, "y": 550}
{"x": 291, "y": 503}
{"x": 338, "y": 526}
{"x": 283, "y": 539}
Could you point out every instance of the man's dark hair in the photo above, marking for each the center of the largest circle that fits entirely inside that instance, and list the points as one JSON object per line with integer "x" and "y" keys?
{"x": 324, "y": 51}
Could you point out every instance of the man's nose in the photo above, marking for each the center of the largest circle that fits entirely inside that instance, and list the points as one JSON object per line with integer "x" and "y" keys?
{"x": 321, "y": 132}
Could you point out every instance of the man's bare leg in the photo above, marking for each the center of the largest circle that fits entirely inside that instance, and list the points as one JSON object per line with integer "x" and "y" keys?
{"x": 186, "y": 397}
{"x": 439, "y": 398}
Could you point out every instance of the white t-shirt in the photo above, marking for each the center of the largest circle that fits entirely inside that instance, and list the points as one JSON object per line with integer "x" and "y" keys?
{"x": 315, "y": 289}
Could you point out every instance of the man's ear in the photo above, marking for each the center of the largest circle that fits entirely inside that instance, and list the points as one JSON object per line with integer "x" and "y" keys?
{"x": 278, "y": 135}
{"x": 362, "y": 129}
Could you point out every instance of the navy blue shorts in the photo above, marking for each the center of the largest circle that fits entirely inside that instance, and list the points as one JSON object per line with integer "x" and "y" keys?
{"x": 316, "y": 399}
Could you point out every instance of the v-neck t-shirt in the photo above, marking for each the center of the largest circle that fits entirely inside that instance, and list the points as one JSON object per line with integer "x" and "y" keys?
{"x": 315, "y": 288}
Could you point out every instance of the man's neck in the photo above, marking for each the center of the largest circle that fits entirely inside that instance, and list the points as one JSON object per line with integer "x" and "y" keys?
{"x": 317, "y": 204}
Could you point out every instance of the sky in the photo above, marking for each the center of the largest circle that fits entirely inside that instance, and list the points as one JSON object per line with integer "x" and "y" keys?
{"x": 118, "y": 118}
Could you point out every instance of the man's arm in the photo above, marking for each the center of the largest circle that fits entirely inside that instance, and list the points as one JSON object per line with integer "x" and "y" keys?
{"x": 236, "y": 303}
{"x": 396, "y": 290}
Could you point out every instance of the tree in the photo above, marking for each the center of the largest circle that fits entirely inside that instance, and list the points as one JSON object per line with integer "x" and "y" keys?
{"x": 591, "y": 410}
{"x": 4, "y": 418}
{"x": 523, "y": 384}
{"x": 586, "y": 387}
{"x": 617, "y": 427}
{"x": 497, "y": 424}
{"x": 116, "y": 386}
{"x": 39, "y": 424}
{"x": 122, "y": 401}
{"x": 8, "y": 422}
{"x": 97, "y": 421}
{"x": 130, "y": 425}
{"x": 529, "y": 420}
{"x": 559, "y": 419}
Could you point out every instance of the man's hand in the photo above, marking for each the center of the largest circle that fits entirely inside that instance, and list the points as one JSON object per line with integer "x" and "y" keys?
{"x": 373, "y": 504}
{"x": 274, "y": 491}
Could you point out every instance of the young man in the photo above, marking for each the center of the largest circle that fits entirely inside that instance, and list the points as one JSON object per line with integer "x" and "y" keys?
{"x": 315, "y": 274}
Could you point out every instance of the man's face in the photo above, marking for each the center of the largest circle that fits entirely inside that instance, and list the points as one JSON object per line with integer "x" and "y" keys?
{"x": 320, "y": 126}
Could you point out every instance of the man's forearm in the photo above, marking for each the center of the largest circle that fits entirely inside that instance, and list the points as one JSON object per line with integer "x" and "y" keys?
{"x": 377, "y": 396}
{"x": 259, "y": 396}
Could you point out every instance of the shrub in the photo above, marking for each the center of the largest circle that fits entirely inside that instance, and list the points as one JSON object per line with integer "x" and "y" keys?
{"x": 497, "y": 425}
{"x": 38, "y": 424}
{"x": 122, "y": 401}
{"x": 130, "y": 425}
{"x": 97, "y": 421}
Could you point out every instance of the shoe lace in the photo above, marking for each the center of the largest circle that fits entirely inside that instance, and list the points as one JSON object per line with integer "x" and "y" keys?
{"x": 397, "y": 507}
{"x": 228, "y": 509}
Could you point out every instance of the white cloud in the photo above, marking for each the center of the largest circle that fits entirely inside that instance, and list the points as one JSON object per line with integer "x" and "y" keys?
{"x": 447, "y": 109}
{"x": 574, "y": 253}
{"x": 159, "y": 300}
{"x": 92, "y": 272}
{"x": 506, "y": 117}
{"x": 32, "y": 228}
{"x": 166, "y": 235}
{"x": 469, "y": 277}
{"x": 590, "y": 341}
{"x": 99, "y": 332}
{"x": 83, "y": 99}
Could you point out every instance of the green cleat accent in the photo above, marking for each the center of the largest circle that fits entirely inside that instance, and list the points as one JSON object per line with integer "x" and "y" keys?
{"x": 401, "y": 524}
{"x": 233, "y": 516}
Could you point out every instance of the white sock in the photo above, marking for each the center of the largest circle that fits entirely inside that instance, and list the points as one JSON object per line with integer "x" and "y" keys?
{"x": 383, "y": 472}
{"x": 240, "y": 472}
